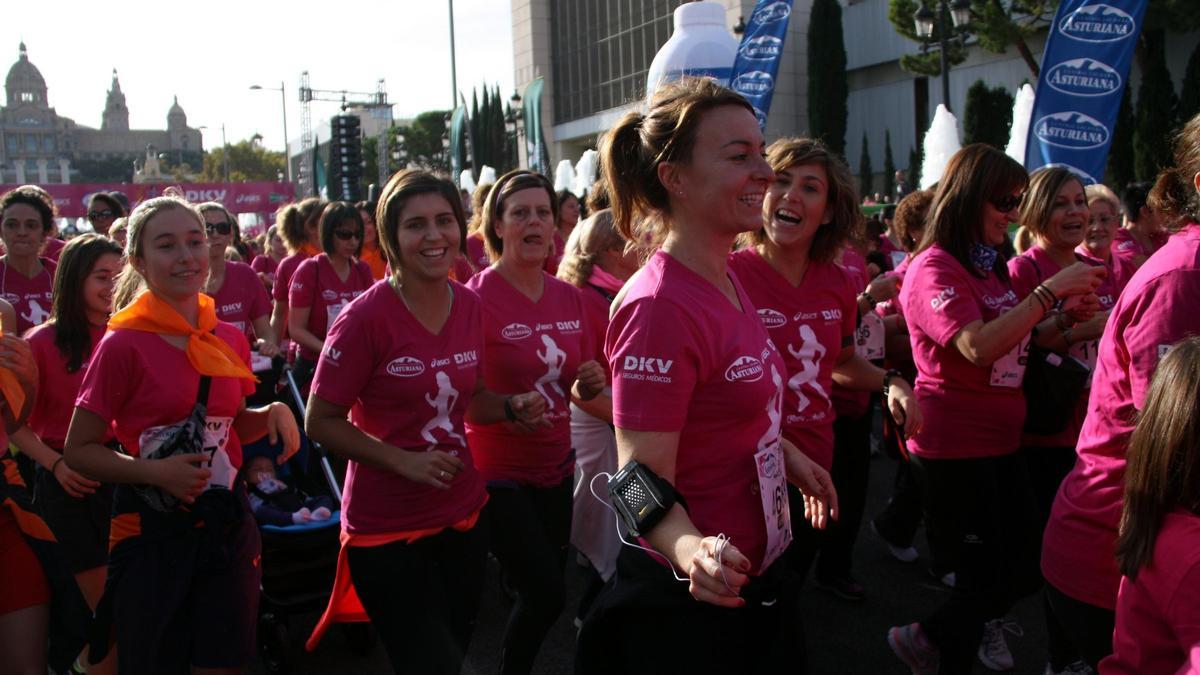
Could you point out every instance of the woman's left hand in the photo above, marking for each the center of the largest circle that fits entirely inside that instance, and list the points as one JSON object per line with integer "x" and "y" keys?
{"x": 1086, "y": 309}
{"x": 815, "y": 484}
{"x": 903, "y": 404}
{"x": 268, "y": 349}
{"x": 282, "y": 424}
{"x": 589, "y": 380}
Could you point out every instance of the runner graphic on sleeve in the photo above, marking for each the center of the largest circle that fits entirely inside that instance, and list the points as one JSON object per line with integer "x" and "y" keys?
{"x": 554, "y": 358}
{"x": 774, "y": 412}
{"x": 442, "y": 403}
{"x": 809, "y": 354}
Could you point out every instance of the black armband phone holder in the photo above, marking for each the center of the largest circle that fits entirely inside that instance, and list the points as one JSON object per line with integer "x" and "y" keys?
{"x": 642, "y": 497}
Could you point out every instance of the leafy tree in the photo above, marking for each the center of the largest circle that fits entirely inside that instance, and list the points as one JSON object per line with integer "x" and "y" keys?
{"x": 865, "y": 172}
{"x": 988, "y": 116}
{"x": 247, "y": 161}
{"x": 1189, "y": 94}
{"x": 1156, "y": 105}
{"x": 889, "y": 165}
{"x": 1120, "y": 154}
{"x": 423, "y": 140}
{"x": 915, "y": 157}
{"x": 828, "y": 88}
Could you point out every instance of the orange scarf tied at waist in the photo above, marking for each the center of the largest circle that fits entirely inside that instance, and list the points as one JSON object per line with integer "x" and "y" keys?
{"x": 208, "y": 354}
{"x": 13, "y": 393}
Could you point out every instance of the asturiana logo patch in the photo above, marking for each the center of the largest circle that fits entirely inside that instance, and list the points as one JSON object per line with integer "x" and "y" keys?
{"x": 405, "y": 366}
{"x": 762, "y": 48}
{"x": 516, "y": 331}
{"x": 1084, "y": 77}
{"x": 776, "y": 11}
{"x": 744, "y": 369}
{"x": 1072, "y": 130}
{"x": 753, "y": 83}
{"x": 1098, "y": 23}
{"x": 772, "y": 318}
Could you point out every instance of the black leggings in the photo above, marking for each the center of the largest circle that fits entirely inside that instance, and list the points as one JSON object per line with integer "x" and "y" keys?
{"x": 984, "y": 509}
{"x": 1077, "y": 630}
{"x": 531, "y": 527}
{"x": 422, "y": 597}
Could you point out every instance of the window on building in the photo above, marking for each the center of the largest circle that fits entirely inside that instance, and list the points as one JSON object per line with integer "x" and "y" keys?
{"x": 48, "y": 144}
{"x": 31, "y": 143}
{"x": 12, "y": 144}
{"x": 27, "y": 97}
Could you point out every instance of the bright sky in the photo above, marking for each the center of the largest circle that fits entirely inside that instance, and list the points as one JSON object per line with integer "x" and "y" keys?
{"x": 209, "y": 53}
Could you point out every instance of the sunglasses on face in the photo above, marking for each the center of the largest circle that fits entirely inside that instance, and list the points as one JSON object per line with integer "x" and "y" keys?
{"x": 1007, "y": 202}
{"x": 221, "y": 228}
{"x": 95, "y": 215}
{"x": 347, "y": 235}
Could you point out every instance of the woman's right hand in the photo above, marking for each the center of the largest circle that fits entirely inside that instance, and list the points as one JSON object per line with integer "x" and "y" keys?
{"x": 436, "y": 468}
{"x": 718, "y": 582}
{"x": 1078, "y": 279}
{"x": 181, "y": 476}
{"x": 73, "y": 482}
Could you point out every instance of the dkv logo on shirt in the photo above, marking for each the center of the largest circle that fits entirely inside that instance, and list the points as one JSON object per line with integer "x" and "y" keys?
{"x": 744, "y": 369}
{"x": 646, "y": 368}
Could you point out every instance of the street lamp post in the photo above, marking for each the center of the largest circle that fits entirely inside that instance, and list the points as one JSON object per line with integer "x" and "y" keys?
{"x": 287, "y": 160}
{"x": 453, "y": 65}
{"x": 513, "y": 123}
{"x": 959, "y": 12}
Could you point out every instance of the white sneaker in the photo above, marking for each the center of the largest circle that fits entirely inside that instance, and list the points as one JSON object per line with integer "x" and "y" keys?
{"x": 949, "y": 579}
{"x": 1077, "y": 668}
{"x": 993, "y": 649}
{"x": 903, "y": 554}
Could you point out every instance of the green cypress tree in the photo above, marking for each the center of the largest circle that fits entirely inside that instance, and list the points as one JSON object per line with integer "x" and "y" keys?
{"x": 988, "y": 115}
{"x": 1120, "y": 154}
{"x": 828, "y": 88}
{"x": 1189, "y": 94}
{"x": 914, "y": 165}
{"x": 1155, "y": 108}
{"x": 889, "y": 166}
{"x": 865, "y": 172}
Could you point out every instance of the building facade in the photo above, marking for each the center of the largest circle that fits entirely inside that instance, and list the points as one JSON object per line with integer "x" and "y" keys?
{"x": 37, "y": 145}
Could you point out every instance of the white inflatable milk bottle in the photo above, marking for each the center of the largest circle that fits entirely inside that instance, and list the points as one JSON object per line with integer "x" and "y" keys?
{"x": 701, "y": 45}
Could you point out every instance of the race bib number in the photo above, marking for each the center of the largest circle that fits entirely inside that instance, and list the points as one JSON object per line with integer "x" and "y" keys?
{"x": 216, "y": 438}
{"x": 332, "y": 312}
{"x": 1009, "y": 371}
{"x": 869, "y": 337}
{"x": 1087, "y": 352}
{"x": 772, "y": 488}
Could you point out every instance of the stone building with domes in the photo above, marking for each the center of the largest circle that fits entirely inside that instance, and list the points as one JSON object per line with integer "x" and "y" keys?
{"x": 37, "y": 145}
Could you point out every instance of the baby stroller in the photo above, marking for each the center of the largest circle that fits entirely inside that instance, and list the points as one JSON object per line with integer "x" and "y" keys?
{"x": 299, "y": 561}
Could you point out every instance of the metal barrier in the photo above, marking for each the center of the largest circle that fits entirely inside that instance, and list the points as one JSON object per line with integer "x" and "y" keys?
{"x": 324, "y": 457}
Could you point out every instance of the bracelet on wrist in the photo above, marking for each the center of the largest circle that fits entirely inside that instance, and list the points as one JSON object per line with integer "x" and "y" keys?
{"x": 871, "y": 301}
{"x": 888, "y": 376}
{"x": 58, "y": 461}
{"x": 509, "y": 413}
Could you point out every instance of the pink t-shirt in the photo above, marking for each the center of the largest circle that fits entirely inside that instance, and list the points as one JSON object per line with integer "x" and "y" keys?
{"x": 1127, "y": 248}
{"x": 409, "y": 388}
{"x": 1159, "y": 307}
{"x": 530, "y": 346}
{"x": 552, "y": 260}
{"x": 596, "y": 305}
{"x": 53, "y": 248}
{"x": 894, "y": 253}
{"x": 969, "y": 411}
{"x": 31, "y": 298}
{"x": 686, "y": 360}
{"x": 810, "y": 324}
{"x": 283, "y": 275}
{"x": 137, "y": 380}
{"x": 265, "y": 264}
{"x": 1120, "y": 271}
{"x": 893, "y": 306}
{"x": 316, "y": 285}
{"x": 477, "y": 253}
{"x": 242, "y": 298}
{"x": 1158, "y": 615}
{"x": 57, "y": 389}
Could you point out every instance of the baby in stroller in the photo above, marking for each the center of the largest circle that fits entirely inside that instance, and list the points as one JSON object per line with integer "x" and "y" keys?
{"x": 277, "y": 503}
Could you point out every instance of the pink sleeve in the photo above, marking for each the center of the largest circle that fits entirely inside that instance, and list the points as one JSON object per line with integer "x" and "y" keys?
{"x": 1024, "y": 276}
{"x": 849, "y": 310}
{"x": 259, "y": 263}
{"x": 260, "y": 302}
{"x": 1163, "y": 313}
{"x": 303, "y": 288}
{"x": 940, "y": 299}
{"x": 279, "y": 291}
{"x": 1183, "y": 614}
{"x": 237, "y": 339}
{"x": 655, "y": 366}
{"x": 109, "y": 380}
{"x": 346, "y": 362}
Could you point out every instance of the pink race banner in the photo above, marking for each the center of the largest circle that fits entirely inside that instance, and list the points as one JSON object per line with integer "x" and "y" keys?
{"x": 255, "y": 197}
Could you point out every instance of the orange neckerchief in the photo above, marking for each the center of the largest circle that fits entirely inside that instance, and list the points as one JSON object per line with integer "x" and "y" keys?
{"x": 309, "y": 250}
{"x": 208, "y": 354}
{"x": 13, "y": 393}
{"x": 374, "y": 259}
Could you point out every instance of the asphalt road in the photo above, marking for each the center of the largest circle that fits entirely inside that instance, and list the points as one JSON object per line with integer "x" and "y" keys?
{"x": 843, "y": 637}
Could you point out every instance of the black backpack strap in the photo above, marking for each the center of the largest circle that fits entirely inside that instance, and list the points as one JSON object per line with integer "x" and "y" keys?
{"x": 202, "y": 394}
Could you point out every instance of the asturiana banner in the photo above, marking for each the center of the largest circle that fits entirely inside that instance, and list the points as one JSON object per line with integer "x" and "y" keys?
{"x": 1084, "y": 71}
{"x": 758, "y": 56}
{"x": 72, "y": 199}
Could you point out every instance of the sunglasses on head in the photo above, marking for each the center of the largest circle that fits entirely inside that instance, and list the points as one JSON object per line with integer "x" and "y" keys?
{"x": 1007, "y": 202}
{"x": 347, "y": 235}
{"x": 93, "y": 215}
{"x": 222, "y": 228}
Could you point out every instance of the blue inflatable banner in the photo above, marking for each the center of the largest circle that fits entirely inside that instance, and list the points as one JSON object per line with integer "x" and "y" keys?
{"x": 1084, "y": 71}
{"x": 757, "y": 62}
